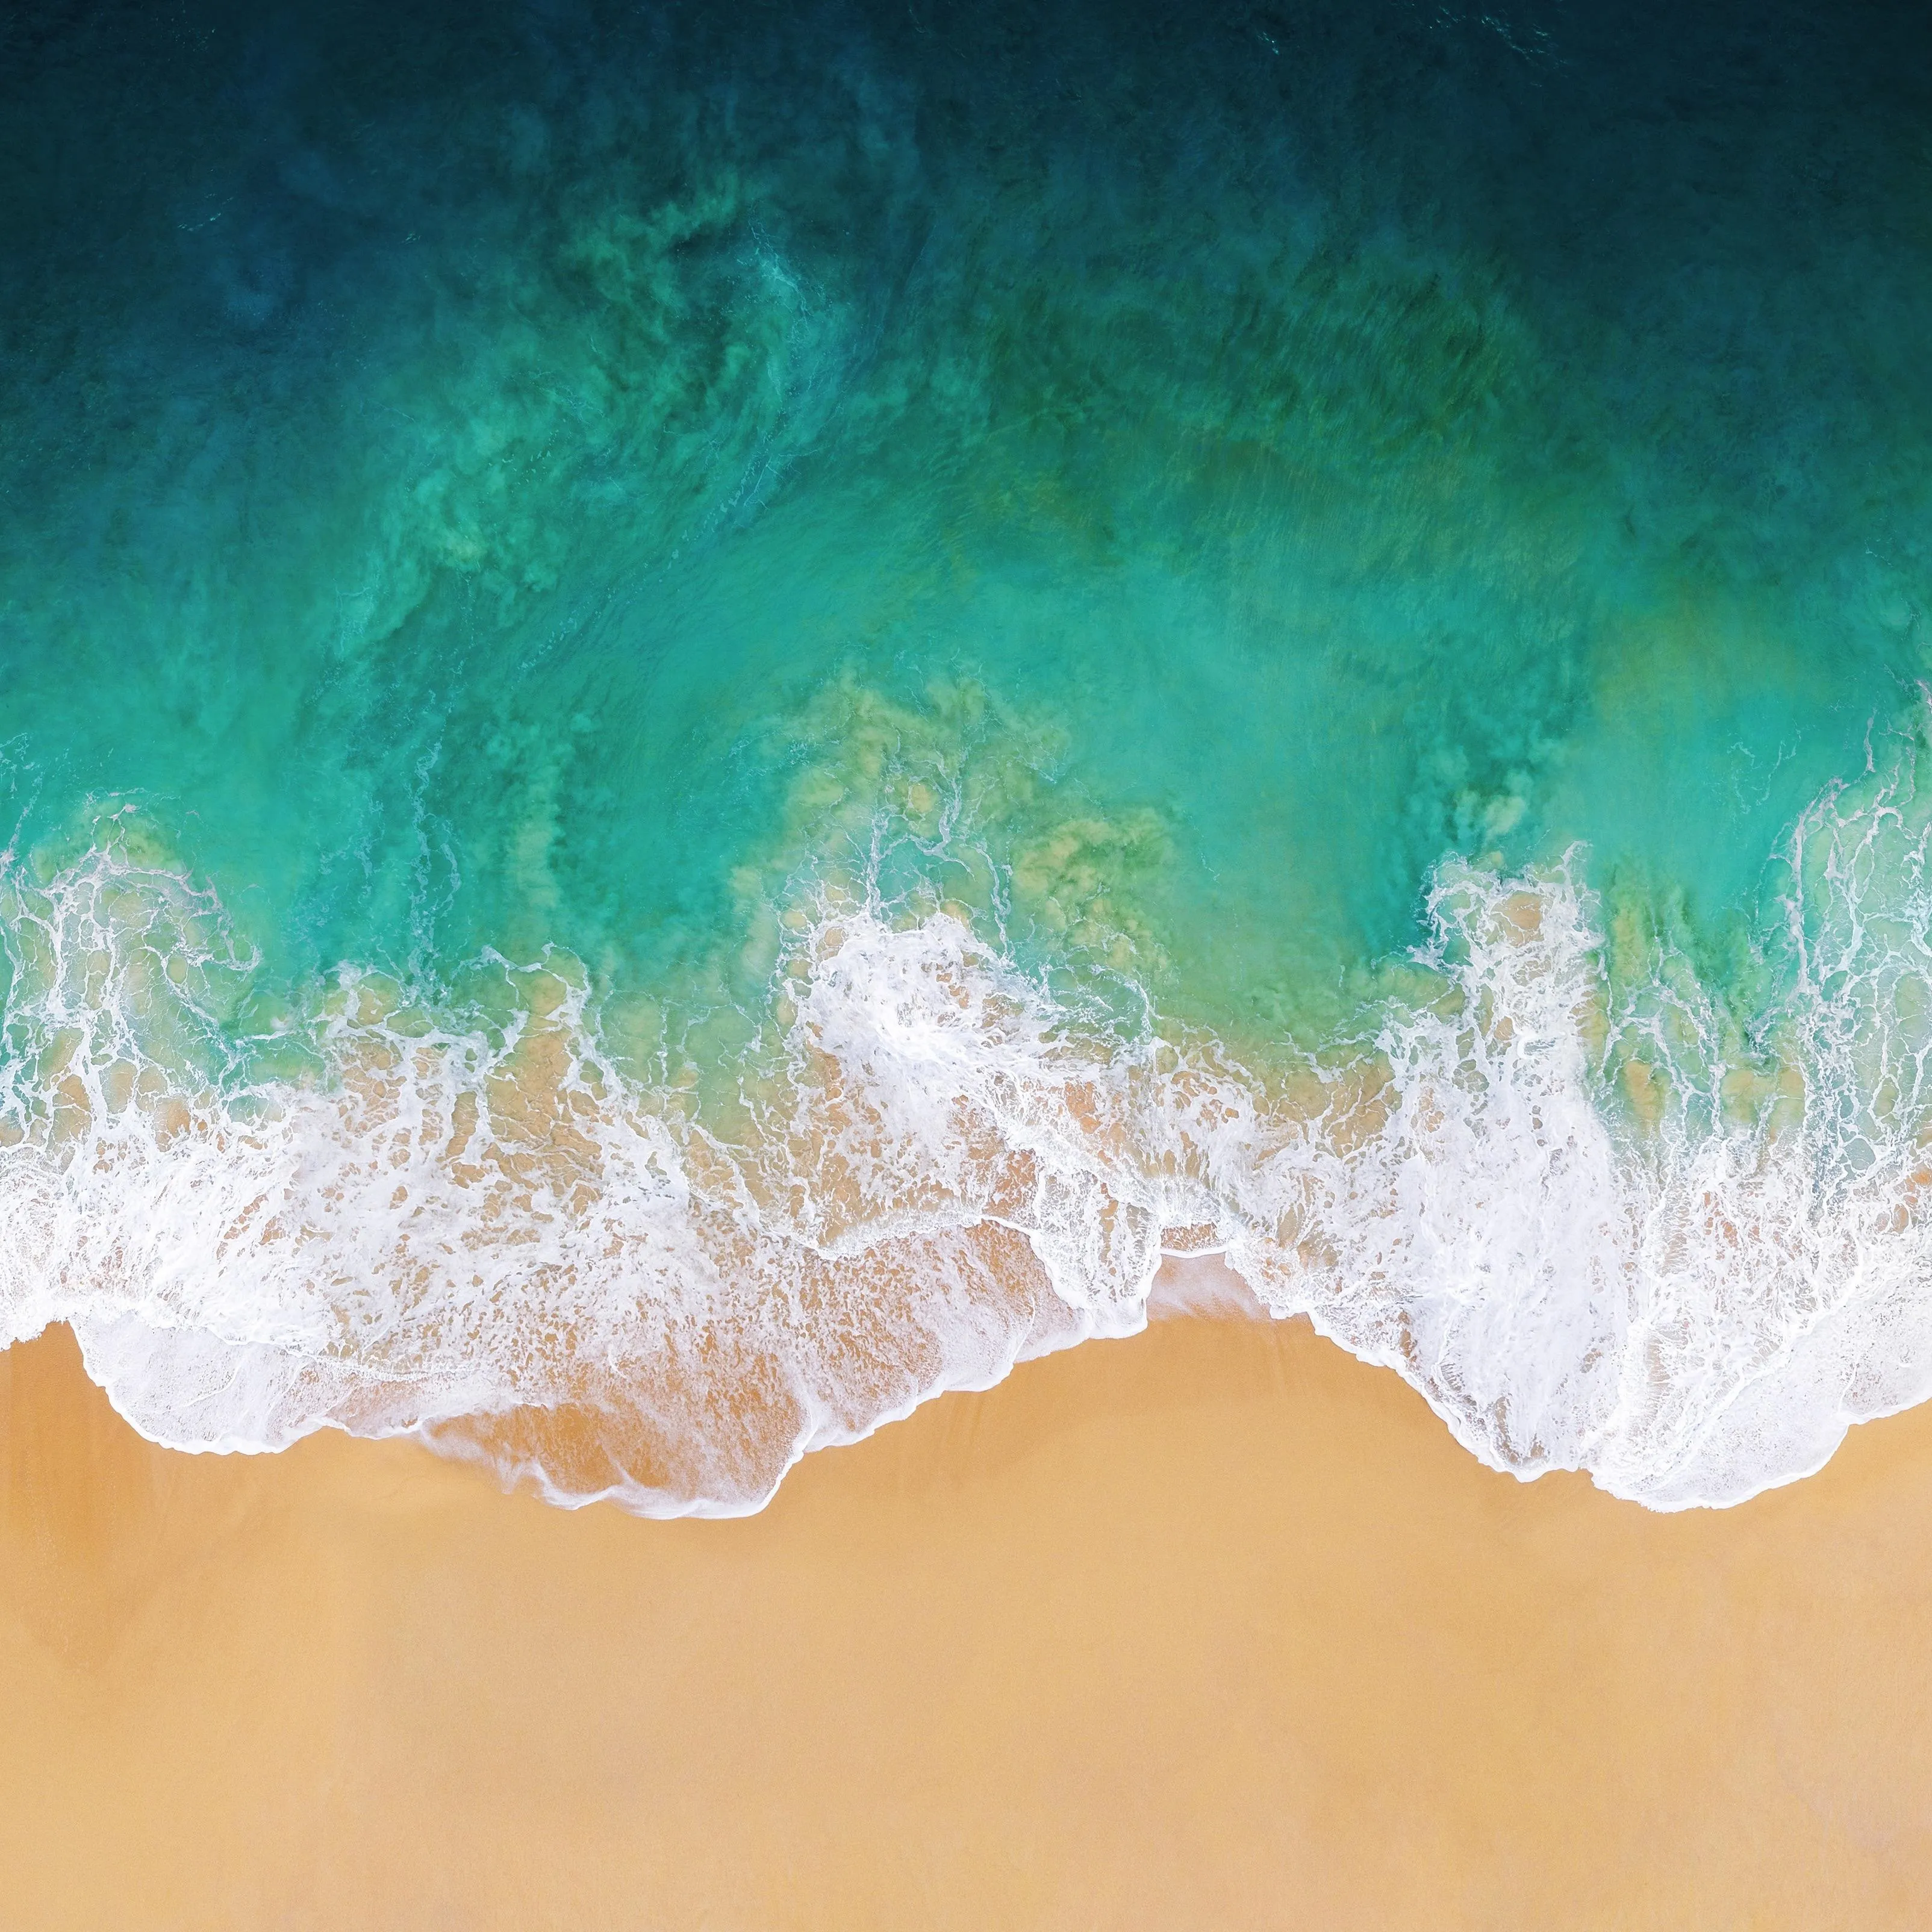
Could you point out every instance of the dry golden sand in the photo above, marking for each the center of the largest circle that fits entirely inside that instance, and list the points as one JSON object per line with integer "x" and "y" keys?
{"x": 1213, "y": 1628}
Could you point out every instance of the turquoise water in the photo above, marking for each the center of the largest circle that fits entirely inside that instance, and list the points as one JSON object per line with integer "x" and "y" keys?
{"x": 562, "y": 517}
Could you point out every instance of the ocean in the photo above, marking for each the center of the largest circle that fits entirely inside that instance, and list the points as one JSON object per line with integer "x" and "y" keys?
{"x": 709, "y": 714}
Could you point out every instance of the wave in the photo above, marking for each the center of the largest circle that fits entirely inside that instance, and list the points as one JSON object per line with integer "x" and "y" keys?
{"x": 1600, "y": 1220}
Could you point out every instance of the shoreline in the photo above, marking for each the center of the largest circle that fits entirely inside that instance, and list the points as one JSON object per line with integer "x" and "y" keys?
{"x": 1606, "y": 1333}
{"x": 1215, "y": 1625}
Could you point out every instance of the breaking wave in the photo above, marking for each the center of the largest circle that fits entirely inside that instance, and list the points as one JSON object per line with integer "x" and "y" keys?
{"x": 1599, "y": 1218}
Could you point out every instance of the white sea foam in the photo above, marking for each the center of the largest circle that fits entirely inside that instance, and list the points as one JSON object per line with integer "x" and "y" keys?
{"x": 1593, "y": 1224}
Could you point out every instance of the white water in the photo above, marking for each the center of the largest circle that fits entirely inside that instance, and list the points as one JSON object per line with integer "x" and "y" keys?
{"x": 937, "y": 1170}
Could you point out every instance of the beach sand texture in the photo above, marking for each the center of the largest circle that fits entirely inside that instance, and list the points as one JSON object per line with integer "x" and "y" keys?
{"x": 1214, "y": 1627}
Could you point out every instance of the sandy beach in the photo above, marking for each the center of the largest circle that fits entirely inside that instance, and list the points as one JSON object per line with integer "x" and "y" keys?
{"x": 1214, "y": 1627}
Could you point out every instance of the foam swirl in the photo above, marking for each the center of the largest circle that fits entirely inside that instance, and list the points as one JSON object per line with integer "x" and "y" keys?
{"x": 1597, "y": 1221}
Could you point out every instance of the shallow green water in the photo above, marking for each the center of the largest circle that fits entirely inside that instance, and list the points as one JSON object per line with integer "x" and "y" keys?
{"x": 441, "y": 506}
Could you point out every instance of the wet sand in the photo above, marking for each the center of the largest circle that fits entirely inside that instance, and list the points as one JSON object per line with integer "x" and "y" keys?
{"x": 1213, "y": 1628}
